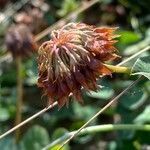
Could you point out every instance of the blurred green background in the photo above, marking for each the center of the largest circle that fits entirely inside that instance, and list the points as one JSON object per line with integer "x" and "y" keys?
{"x": 133, "y": 19}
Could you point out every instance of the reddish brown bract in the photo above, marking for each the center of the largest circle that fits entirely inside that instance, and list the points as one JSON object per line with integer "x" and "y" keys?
{"x": 73, "y": 59}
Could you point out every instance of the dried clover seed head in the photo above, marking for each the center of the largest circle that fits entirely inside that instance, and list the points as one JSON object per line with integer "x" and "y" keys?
{"x": 33, "y": 18}
{"x": 19, "y": 40}
{"x": 73, "y": 59}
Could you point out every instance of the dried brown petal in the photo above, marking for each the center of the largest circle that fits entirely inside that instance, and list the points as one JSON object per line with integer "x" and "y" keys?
{"x": 73, "y": 59}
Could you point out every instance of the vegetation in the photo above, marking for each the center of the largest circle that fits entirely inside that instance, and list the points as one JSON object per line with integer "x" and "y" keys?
{"x": 115, "y": 117}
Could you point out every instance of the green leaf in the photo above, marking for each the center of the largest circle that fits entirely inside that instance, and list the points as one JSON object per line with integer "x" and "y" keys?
{"x": 4, "y": 114}
{"x": 83, "y": 112}
{"x": 133, "y": 99}
{"x": 126, "y": 115}
{"x": 56, "y": 147}
{"x": 67, "y": 7}
{"x": 35, "y": 138}
{"x": 105, "y": 93}
{"x": 112, "y": 145}
{"x": 7, "y": 143}
{"x": 128, "y": 37}
{"x": 63, "y": 113}
{"x": 102, "y": 94}
{"x": 142, "y": 67}
{"x": 144, "y": 117}
{"x": 58, "y": 133}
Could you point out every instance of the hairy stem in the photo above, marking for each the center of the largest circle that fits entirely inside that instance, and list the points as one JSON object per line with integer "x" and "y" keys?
{"x": 19, "y": 96}
{"x": 118, "y": 69}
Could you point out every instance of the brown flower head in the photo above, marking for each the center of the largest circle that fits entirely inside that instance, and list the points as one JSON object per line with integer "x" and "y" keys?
{"x": 19, "y": 40}
{"x": 33, "y": 18}
{"x": 73, "y": 59}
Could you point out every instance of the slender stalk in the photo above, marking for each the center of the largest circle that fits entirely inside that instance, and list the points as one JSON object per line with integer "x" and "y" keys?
{"x": 59, "y": 23}
{"x": 99, "y": 128}
{"x": 118, "y": 69}
{"x": 134, "y": 56}
{"x": 51, "y": 106}
{"x": 100, "y": 112}
{"x": 19, "y": 101}
{"x": 38, "y": 37}
{"x": 28, "y": 120}
{"x": 45, "y": 109}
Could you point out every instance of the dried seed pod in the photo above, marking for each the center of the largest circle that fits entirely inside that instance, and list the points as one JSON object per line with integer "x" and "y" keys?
{"x": 19, "y": 41}
{"x": 73, "y": 59}
{"x": 33, "y": 18}
{"x": 23, "y": 18}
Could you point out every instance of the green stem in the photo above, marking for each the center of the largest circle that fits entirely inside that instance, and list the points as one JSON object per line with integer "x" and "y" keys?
{"x": 19, "y": 96}
{"x": 118, "y": 69}
{"x": 99, "y": 128}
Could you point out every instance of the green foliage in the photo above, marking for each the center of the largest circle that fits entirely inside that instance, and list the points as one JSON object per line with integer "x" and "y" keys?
{"x": 36, "y": 138}
{"x": 132, "y": 18}
{"x": 59, "y": 132}
{"x": 144, "y": 117}
{"x": 142, "y": 67}
{"x": 66, "y": 147}
{"x": 105, "y": 92}
{"x": 133, "y": 99}
{"x": 83, "y": 112}
{"x": 4, "y": 114}
{"x": 67, "y": 7}
{"x": 128, "y": 37}
{"x": 31, "y": 72}
{"x": 7, "y": 143}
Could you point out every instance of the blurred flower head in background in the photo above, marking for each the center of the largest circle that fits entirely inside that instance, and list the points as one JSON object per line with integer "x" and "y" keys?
{"x": 73, "y": 59}
{"x": 19, "y": 41}
{"x": 33, "y": 18}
